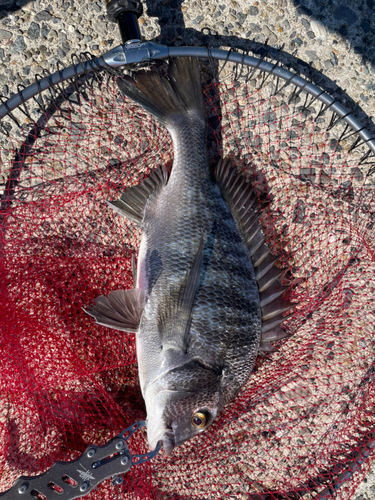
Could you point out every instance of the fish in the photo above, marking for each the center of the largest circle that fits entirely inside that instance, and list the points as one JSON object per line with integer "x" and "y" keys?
{"x": 207, "y": 295}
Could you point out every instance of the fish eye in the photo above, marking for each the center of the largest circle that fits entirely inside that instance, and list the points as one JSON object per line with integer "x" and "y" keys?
{"x": 199, "y": 419}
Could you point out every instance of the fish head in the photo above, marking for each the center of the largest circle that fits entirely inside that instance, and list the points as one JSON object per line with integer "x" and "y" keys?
{"x": 176, "y": 418}
{"x": 183, "y": 403}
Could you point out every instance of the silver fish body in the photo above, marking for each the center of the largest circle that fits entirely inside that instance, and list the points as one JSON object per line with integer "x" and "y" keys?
{"x": 207, "y": 370}
{"x": 200, "y": 316}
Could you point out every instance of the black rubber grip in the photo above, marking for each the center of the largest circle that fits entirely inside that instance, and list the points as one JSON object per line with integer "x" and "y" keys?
{"x": 117, "y": 7}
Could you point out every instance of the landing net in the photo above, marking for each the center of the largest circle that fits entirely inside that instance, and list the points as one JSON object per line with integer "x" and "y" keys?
{"x": 305, "y": 420}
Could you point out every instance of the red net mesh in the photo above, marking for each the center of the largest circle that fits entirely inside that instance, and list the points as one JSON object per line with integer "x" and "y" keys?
{"x": 304, "y": 420}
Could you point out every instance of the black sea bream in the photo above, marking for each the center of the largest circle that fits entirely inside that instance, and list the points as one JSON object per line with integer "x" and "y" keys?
{"x": 198, "y": 309}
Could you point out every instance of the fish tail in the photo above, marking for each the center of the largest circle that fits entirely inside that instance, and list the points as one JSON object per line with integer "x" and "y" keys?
{"x": 169, "y": 96}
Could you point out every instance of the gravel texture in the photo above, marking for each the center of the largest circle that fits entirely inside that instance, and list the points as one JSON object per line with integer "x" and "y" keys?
{"x": 330, "y": 41}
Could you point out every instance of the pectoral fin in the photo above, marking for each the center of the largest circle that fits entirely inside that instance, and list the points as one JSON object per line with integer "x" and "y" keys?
{"x": 134, "y": 269}
{"x": 121, "y": 309}
{"x": 176, "y": 314}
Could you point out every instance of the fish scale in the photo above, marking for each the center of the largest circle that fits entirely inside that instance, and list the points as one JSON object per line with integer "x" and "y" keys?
{"x": 229, "y": 277}
{"x": 196, "y": 298}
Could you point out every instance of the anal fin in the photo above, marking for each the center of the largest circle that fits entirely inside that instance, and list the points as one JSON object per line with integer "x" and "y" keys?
{"x": 133, "y": 201}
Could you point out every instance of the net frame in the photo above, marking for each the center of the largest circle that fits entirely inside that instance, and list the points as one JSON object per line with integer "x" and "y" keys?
{"x": 116, "y": 58}
{"x": 354, "y": 129}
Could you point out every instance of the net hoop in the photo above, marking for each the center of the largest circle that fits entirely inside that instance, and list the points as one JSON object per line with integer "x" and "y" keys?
{"x": 102, "y": 62}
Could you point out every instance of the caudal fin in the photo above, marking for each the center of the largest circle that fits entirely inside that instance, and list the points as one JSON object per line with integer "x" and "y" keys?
{"x": 167, "y": 97}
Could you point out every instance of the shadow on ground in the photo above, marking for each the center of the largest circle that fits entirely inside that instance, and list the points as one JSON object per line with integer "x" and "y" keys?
{"x": 7, "y": 7}
{"x": 350, "y": 19}
{"x": 349, "y": 22}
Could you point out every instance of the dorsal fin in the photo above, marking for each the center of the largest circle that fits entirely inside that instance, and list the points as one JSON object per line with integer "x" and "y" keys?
{"x": 175, "y": 315}
{"x": 133, "y": 201}
{"x": 242, "y": 201}
{"x": 121, "y": 309}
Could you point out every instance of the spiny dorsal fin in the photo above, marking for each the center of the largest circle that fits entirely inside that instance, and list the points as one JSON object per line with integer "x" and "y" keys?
{"x": 243, "y": 203}
{"x": 175, "y": 315}
{"x": 273, "y": 335}
{"x": 133, "y": 201}
{"x": 121, "y": 309}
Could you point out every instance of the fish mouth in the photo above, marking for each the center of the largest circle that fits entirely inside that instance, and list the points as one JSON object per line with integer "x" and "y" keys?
{"x": 165, "y": 434}
{"x": 168, "y": 445}
{"x": 167, "y": 438}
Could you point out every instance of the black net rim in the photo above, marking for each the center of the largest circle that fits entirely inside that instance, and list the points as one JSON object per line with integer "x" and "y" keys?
{"x": 112, "y": 60}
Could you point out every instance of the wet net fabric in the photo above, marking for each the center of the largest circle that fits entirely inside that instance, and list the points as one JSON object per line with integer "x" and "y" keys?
{"x": 304, "y": 422}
